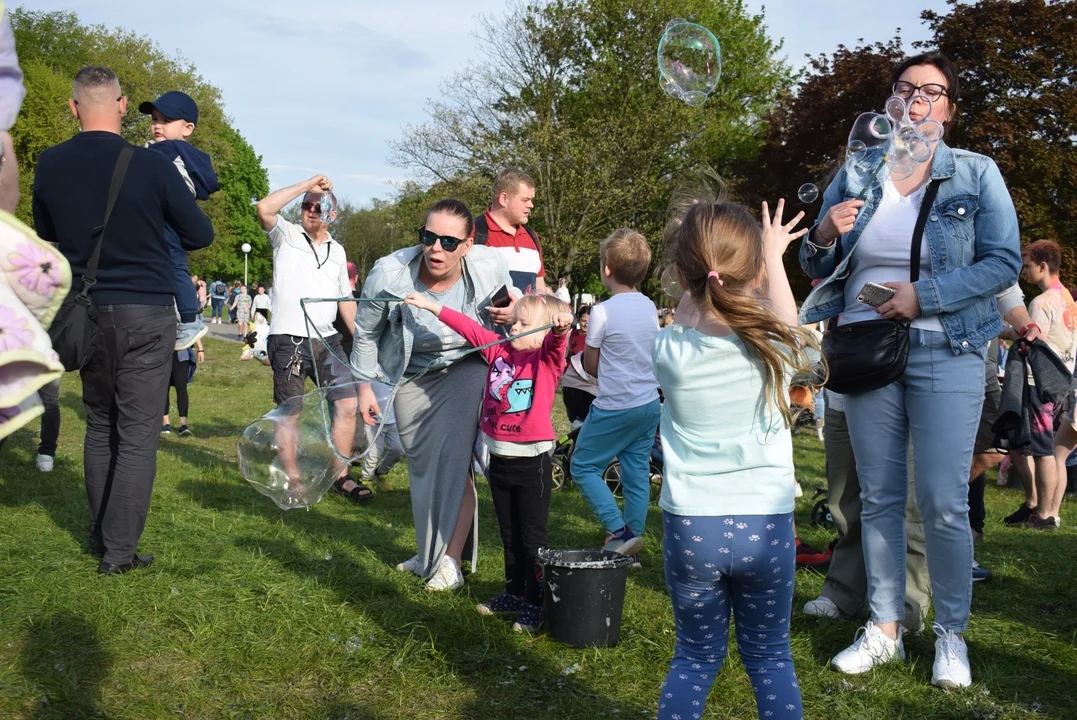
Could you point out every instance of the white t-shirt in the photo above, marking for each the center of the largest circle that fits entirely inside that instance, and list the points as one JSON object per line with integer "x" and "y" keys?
{"x": 882, "y": 255}
{"x": 302, "y": 271}
{"x": 726, "y": 450}
{"x": 262, "y": 302}
{"x": 563, "y": 295}
{"x": 624, "y": 328}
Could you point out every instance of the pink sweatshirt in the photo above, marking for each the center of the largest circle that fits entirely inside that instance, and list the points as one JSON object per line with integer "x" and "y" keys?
{"x": 518, "y": 402}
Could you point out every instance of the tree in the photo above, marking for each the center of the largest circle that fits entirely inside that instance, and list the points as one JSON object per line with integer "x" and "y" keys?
{"x": 808, "y": 129}
{"x": 569, "y": 92}
{"x": 53, "y": 47}
{"x": 1018, "y": 64}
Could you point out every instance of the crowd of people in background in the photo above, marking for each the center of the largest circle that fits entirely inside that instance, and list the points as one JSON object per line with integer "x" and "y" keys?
{"x": 905, "y": 461}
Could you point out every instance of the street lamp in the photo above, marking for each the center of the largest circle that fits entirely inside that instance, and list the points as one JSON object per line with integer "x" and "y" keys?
{"x": 246, "y": 248}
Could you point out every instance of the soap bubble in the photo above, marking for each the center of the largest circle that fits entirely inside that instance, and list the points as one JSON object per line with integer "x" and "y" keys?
{"x": 880, "y": 127}
{"x": 932, "y": 130}
{"x": 297, "y": 436}
{"x": 896, "y": 109}
{"x": 866, "y": 130}
{"x": 689, "y": 61}
{"x": 808, "y": 193}
{"x": 353, "y": 643}
{"x": 671, "y": 286}
{"x": 854, "y": 147}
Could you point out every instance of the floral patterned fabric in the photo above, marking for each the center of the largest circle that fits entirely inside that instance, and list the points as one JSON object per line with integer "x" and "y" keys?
{"x": 34, "y": 280}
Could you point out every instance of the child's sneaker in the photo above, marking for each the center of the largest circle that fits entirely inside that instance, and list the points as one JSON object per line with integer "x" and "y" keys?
{"x": 636, "y": 564}
{"x": 166, "y": 429}
{"x": 530, "y": 618}
{"x": 624, "y": 541}
{"x": 187, "y": 334}
{"x": 45, "y": 463}
{"x": 503, "y": 604}
{"x": 185, "y": 431}
{"x": 823, "y": 607}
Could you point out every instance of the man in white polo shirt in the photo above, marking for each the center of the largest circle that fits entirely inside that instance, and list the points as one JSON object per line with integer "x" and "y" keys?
{"x": 307, "y": 263}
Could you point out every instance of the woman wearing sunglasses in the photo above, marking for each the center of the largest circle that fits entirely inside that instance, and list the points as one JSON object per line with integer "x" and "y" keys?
{"x": 437, "y": 415}
{"x": 969, "y": 252}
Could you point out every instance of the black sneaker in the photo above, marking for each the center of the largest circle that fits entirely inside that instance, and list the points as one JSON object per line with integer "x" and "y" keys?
{"x": 166, "y": 429}
{"x": 184, "y": 431}
{"x": 1038, "y": 523}
{"x": 530, "y": 618}
{"x": 503, "y": 604}
{"x": 980, "y": 573}
{"x": 1019, "y": 518}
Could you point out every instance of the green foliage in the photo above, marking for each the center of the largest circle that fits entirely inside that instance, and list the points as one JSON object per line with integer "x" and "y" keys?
{"x": 54, "y": 46}
{"x": 569, "y": 91}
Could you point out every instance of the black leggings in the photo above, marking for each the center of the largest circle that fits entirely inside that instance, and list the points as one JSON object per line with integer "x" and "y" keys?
{"x": 520, "y": 488}
{"x": 180, "y": 371}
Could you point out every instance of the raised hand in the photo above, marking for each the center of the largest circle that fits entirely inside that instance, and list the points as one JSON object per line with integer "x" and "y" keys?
{"x": 776, "y": 236}
{"x": 562, "y": 322}
{"x": 839, "y": 220}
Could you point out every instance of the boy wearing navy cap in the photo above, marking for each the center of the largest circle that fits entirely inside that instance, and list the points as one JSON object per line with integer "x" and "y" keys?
{"x": 173, "y": 117}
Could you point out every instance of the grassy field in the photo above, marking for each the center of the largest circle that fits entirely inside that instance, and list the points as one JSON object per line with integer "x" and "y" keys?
{"x": 252, "y": 612}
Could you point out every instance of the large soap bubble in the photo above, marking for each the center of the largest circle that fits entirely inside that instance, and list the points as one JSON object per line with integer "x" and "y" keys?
{"x": 689, "y": 62}
{"x": 288, "y": 454}
{"x": 891, "y": 145}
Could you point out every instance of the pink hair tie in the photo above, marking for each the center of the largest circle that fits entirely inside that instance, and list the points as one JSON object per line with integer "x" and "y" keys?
{"x": 712, "y": 275}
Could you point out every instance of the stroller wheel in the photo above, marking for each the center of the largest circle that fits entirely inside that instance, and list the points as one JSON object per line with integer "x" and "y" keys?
{"x": 612, "y": 476}
{"x": 559, "y": 473}
{"x": 820, "y": 514}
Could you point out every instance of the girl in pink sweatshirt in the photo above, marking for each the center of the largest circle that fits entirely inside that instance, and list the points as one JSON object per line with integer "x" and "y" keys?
{"x": 518, "y": 430}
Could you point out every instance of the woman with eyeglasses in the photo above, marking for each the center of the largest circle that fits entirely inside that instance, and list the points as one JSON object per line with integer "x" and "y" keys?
{"x": 969, "y": 252}
{"x": 437, "y": 414}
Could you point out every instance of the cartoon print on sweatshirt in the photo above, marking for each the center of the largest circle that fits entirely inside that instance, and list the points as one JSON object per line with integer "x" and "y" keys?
{"x": 513, "y": 396}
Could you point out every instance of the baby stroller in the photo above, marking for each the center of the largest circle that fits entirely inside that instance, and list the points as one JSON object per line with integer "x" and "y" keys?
{"x": 562, "y": 466}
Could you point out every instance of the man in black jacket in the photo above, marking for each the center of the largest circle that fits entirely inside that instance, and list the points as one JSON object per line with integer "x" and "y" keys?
{"x": 132, "y": 302}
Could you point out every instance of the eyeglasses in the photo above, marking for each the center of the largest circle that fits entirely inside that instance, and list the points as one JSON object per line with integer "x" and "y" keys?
{"x": 906, "y": 90}
{"x": 448, "y": 242}
{"x": 311, "y": 207}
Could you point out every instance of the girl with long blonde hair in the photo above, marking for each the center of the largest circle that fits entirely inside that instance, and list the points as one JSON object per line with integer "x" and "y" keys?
{"x": 728, "y": 491}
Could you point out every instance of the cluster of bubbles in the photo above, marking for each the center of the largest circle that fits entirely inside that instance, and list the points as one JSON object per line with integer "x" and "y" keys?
{"x": 689, "y": 62}
{"x": 890, "y": 144}
{"x": 288, "y": 453}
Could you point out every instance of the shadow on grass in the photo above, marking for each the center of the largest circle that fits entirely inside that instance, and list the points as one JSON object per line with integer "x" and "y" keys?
{"x": 65, "y": 662}
{"x": 479, "y": 659}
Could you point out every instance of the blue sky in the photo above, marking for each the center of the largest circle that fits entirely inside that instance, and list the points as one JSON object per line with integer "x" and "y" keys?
{"x": 384, "y": 60}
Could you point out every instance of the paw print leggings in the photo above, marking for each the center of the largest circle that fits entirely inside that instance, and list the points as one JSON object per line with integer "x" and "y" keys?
{"x": 717, "y": 566}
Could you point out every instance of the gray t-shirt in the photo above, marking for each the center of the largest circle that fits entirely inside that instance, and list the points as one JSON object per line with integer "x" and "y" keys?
{"x": 434, "y": 340}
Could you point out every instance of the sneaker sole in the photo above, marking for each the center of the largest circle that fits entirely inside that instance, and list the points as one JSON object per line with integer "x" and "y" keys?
{"x": 490, "y": 612}
{"x": 450, "y": 588}
{"x": 628, "y": 547}
{"x": 825, "y": 614}
{"x": 198, "y": 336}
{"x": 517, "y": 627}
{"x": 947, "y": 684}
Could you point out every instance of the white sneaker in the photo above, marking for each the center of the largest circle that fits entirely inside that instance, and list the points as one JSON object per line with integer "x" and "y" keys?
{"x": 951, "y": 668}
{"x": 822, "y": 607}
{"x": 412, "y": 566}
{"x": 447, "y": 576}
{"x": 798, "y": 491}
{"x": 45, "y": 463}
{"x": 868, "y": 650}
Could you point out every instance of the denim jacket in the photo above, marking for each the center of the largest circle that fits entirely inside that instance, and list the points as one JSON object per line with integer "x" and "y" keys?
{"x": 384, "y": 331}
{"x": 972, "y": 236}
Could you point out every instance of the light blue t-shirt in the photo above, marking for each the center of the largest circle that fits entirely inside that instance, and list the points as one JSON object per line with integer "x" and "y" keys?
{"x": 726, "y": 451}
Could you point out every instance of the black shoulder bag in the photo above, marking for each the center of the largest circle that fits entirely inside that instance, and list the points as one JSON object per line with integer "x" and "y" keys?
{"x": 74, "y": 332}
{"x": 868, "y": 355}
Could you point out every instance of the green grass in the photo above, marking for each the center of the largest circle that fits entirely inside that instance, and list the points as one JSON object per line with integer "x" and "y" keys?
{"x": 245, "y": 615}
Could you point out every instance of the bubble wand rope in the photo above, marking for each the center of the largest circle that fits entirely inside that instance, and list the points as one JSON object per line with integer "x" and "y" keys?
{"x": 326, "y": 421}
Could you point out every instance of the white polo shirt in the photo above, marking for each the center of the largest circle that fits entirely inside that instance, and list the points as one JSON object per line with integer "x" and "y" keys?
{"x": 304, "y": 269}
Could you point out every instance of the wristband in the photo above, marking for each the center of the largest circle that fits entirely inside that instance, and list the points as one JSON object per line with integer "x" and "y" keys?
{"x": 1026, "y": 328}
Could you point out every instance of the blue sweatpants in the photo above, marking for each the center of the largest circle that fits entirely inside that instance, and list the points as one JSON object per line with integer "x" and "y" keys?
{"x": 627, "y": 435}
{"x": 186, "y": 295}
{"x": 717, "y": 566}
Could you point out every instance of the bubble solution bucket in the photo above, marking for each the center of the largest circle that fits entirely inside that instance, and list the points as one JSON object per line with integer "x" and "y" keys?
{"x": 584, "y": 596}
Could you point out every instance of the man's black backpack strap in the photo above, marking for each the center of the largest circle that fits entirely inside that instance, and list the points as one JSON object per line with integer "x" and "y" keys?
{"x": 482, "y": 232}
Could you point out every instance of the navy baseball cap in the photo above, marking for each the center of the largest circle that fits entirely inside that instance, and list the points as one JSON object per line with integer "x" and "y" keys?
{"x": 174, "y": 106}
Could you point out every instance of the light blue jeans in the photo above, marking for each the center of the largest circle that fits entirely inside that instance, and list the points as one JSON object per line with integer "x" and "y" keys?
{"x": 937, "y": 402}
{"x": 627, "y": 435}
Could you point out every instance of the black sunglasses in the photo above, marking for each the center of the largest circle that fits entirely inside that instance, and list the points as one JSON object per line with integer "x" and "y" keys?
{"x": 448, "y": 242}
{"x": 906, "y": 90}
{"x": 311, "y": 207}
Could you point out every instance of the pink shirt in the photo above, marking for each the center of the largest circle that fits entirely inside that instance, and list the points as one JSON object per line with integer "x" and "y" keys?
{"x": 518, "y": 402}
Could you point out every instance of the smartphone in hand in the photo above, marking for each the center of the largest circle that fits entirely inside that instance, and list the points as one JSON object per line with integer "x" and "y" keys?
{"x": 874, "y": 294}
{"x": 501, "y": 298}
